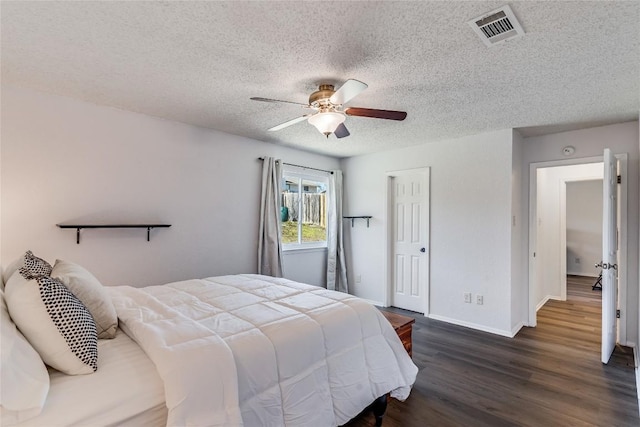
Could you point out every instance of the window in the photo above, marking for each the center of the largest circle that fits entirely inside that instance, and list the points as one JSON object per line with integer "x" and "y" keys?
{"x": 304, "y": 209}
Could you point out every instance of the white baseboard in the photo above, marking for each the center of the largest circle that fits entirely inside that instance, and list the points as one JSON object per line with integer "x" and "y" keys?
{"x": 545, "y": 299}
{"x": 472, "y": 325}
{"x": 376, "y": 303}
{"x": 516, "y": 329}
{"x": 581, "y": 273}
{"x": 543, "y": 302}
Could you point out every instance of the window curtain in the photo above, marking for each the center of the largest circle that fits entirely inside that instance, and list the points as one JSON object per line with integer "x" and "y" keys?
{"x": 336, "y": 265}
{"x": 269, "y": 240}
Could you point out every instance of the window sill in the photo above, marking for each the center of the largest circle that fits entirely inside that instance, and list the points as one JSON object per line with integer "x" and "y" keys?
{"x": 304, "y": 248}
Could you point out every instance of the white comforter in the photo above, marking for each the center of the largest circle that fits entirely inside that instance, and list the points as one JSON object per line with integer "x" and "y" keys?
{"x": 264, "y": 351}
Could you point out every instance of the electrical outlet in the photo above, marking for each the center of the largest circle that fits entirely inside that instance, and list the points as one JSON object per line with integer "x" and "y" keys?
{"x": 479, "y": 299}
{"x": 358, "y": 278}
{"x": 467, "y": 297}
{"x": 577, "y": 260}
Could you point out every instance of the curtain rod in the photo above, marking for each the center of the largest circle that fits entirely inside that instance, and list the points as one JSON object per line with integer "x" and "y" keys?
{"x": 300, "y": 166}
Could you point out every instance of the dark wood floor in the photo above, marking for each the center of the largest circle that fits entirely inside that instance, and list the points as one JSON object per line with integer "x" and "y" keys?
{"x": 550, "y": 375}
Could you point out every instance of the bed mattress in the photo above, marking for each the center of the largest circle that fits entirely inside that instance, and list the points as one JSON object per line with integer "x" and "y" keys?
{"x": 126, "y": 390}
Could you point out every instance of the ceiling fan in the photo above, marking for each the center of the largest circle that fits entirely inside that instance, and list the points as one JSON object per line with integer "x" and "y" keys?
{"x": 329, "y": 110}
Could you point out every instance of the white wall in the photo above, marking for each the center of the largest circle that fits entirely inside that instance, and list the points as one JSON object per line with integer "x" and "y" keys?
{"x": 307, "y": 266}
{"x": 584, "y": 227}
{"x": 65, "y": 160}
{"x": 620, "y": 138}
{"x": 551, "y": 226}
{"x": 470, "y": 211}
{"x": 472, "y": 207}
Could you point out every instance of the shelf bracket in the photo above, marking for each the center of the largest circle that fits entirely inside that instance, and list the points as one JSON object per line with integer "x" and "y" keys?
{"x": 78, "y": 235}
{"x": 353, "y": 218}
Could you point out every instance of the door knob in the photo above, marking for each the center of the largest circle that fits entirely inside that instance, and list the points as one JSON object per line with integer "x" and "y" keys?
{"x": 423, "y": 249}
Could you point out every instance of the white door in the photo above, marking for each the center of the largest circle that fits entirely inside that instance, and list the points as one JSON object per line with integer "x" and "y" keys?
{"x": 609, "y": 255}
{"x": 410, "y": 234}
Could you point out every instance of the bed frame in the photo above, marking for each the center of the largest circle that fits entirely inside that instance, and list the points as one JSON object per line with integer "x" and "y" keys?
{"x": 379, "y": 407}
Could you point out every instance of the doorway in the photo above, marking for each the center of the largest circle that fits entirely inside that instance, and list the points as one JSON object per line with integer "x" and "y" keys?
{"x": 547, "y": 256}
{"x": 551, "y": 229}
{"x": 408, "y": 239}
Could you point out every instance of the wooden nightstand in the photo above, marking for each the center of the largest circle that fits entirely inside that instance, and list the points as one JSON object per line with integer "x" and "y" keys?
{"x": 403, "y": 326}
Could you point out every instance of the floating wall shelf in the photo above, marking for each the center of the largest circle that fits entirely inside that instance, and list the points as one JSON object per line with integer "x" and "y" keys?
{"x": 79, "y": 227}
{"x": 353, "y": 218}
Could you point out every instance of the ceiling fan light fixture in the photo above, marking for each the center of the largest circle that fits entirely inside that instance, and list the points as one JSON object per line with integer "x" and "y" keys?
{"x": 328, "y": 112}
{"x": 327, "y": 122}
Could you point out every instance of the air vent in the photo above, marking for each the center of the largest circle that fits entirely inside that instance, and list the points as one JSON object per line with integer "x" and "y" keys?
{"x": 497, "y": 26}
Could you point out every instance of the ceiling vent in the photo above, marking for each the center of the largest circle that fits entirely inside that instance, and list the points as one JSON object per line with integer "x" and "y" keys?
{"x": 497, "y": 26}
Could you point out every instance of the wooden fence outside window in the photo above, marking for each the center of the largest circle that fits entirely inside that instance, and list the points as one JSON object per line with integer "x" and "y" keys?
{"x": 314, "y": 207}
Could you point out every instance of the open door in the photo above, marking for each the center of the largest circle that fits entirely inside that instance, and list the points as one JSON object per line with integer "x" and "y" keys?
{"x": 609, "y": 255}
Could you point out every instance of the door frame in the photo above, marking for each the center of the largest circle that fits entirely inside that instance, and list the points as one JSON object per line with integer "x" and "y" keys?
{"x": 623, "y": 227}
{"x": 426, "y": 218}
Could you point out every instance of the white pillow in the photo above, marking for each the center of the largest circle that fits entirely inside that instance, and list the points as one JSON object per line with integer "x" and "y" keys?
{"x": 24, "y": 378}
{"x": 55, "y": 322}
{"x": 93, "y": 295}
{"x": 12, "y": 268}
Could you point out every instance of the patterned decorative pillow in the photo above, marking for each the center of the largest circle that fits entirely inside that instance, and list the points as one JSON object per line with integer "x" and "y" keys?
{"x": 29, "y": 261}
{"x": 34, "y": 267}
{"x": 53, "y": 319}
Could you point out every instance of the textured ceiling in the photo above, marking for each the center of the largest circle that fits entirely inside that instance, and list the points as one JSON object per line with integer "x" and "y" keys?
{"x": 578, "y": 64}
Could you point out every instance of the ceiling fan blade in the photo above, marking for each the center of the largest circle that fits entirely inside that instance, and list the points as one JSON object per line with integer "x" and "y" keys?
{"x": 288, "y": 123}
{"x": 255, "y": 98}
{"x": 347, "y": 91}
{"x": 376, "y": 114}
{"x": 341, "y": 131}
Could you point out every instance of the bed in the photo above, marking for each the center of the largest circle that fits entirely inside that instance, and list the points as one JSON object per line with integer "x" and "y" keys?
{"x": 233, "y": 350}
